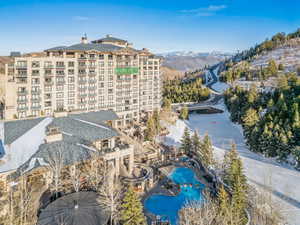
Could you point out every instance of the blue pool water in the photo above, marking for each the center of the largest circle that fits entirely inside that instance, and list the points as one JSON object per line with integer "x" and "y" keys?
{"x": 168, "y": 206}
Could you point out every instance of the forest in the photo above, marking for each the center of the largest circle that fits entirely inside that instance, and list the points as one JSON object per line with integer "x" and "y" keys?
{"x": 270, "y": 121}
{"x": 178, "y": 91}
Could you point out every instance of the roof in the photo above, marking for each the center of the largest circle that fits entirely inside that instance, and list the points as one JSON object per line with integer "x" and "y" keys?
{"x": 87, "y": 47}
{"x": 84, "y": 129}
{"x": 109, "y": 39}
{"x": 15, "y": 129}
{"x": 71, "y": 149}
{"x": 96, "y": 117}
{"x": 63, "y": 211}
{"x": 24, "y": 140}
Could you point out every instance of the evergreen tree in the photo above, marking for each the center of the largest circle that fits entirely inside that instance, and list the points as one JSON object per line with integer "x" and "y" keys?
{"x": 207, "y": 151}
{"x": 150, "y": 130}
{"x": 132, "y": 209}
{"x": 224, "y": 203}
{"x": 196, "y": 144}
{"x": 184, "y": 113}
{"x": 156, "y": 122}
{"x": 167, "y": 104}
{"x": 272, "y": 67}
{"x": 186, "y": 143}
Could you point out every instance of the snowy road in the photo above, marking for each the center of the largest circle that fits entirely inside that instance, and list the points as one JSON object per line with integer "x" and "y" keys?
{"x": 283, "y": 180}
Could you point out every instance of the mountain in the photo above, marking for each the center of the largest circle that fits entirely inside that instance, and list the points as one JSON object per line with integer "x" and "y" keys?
{"x": 170, "y": 73}
{"x": 190, "y": 60}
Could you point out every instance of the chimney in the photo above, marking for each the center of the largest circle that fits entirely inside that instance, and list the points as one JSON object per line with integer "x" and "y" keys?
{"x": 84, "y": 39}
{"x": 53, "y": 134}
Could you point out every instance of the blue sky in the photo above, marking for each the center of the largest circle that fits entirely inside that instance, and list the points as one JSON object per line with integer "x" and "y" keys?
{"x": 160, "y": 25}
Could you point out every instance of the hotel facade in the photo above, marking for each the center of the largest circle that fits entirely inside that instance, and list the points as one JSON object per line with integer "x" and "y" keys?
{"x": 105, "y": 74}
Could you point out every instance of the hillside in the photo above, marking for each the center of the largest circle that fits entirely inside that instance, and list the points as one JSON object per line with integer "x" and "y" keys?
{"x": 190, "y": 61}
{"x": 170, "y": 74}
{"x": 288, "y": 55}
{"x": 270, "y": 59}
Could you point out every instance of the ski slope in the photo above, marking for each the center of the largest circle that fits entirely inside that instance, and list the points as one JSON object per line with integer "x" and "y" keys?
{"x": 283, "y": 180}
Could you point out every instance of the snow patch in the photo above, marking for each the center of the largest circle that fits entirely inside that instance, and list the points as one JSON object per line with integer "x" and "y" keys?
{"x": 18, "y": 152}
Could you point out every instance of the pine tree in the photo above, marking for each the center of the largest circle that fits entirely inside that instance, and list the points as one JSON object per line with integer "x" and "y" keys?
{"x": 150, "y": 130}
{"x": 132, "y": 209}
{"x": 272, "y": 67}
{"x": 184, "y": 113}
{"x": 167, "y": 104}
{"x": 186, "y": 143}
{"x": 207, "y": 151}
{"x": 196, "y": 144}
{"x": 156, "y": 122}
{"x": 224, "y": 203}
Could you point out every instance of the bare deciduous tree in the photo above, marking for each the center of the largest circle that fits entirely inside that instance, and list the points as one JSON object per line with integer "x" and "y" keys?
{"x": 55, "y": 163}
{"x": 198, "y": 213}
{"x": 95, "y": 171}
{"x": 110, "y": 199}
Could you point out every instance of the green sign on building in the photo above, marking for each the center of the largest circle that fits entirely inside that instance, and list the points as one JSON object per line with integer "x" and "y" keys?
{"x": 126, "y": 70}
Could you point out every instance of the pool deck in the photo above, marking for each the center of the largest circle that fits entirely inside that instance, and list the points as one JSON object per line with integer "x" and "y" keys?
{"x": 158, "y": 188}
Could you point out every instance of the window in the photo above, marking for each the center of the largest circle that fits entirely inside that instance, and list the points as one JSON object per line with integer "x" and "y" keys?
{"x": 60, "y": 72}
{"x": 101, "y": 78}
{"x": 59, "y": 95}
{"x": 35, "y": 81}
{"x": 71, "y": 101}
{"x": 35, "y": 64}
{"x": 35, "y": 72}
{"x": 47, "y": 72}
{"x": 60, "y": 64}
{"x": 71, "y": 94}
{"x": 70, "y": 64}
{"x": 71, "y": 72}
{"x": 59, "y": 87}
{"x": 48, "y": 65}
{"x": 48, "y": 88}
{"x": 110, "y": 84}
{"x": 71, "y": 87}
{"x": 71, "y": 79}
{"x": 110, "y": 97}
{"x": 101, "y": 85}
{"x": 101, "y": 56}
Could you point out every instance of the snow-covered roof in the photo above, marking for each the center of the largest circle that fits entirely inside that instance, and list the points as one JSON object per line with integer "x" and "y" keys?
{"x": 23, "y": 142}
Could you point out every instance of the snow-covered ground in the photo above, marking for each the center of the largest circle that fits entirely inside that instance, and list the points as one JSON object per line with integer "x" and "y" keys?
{"x": 24, "y": 147}
{"x": 220, "y": 86}
{"x": 261, "y": 171}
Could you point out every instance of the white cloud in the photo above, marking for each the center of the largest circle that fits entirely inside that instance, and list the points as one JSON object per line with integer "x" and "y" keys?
{"x": 80, "y": 18}
{"x": 207, "y": 11}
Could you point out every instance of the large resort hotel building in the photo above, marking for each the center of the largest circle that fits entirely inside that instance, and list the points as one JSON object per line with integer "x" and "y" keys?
{"x": 105, "y": 74}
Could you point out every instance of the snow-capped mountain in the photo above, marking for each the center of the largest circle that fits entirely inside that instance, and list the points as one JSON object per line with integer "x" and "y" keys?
{"x": 190, "y": 60}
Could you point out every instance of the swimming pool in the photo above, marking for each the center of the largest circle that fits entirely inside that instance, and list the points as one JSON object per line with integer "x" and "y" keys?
{"x": 168, "y": 206}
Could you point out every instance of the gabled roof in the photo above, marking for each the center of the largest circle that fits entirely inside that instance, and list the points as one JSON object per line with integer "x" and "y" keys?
{"x": 15, "y": 129}
{"x": 87, "y": 47}
{"x": 109, "y": 39}
{"x": 24, "y": 139}
{"x": 96, "y": 117}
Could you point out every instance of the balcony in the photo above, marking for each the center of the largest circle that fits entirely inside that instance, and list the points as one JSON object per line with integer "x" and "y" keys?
{"x": 23, "y": 67}
{"x": 22, "y": 75}
{"x": 36, "y": 99}
{"x": 22, "y": 108}
{"x": 24, "y": 92}
{"x": 60, "y": 66}
{"x": 35, "y": 107}
{"x": 92, "y": 88}
{"x": 35, "y": 92}
{"x": 48, "y": 82}
{"x": 22, "y": 100}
